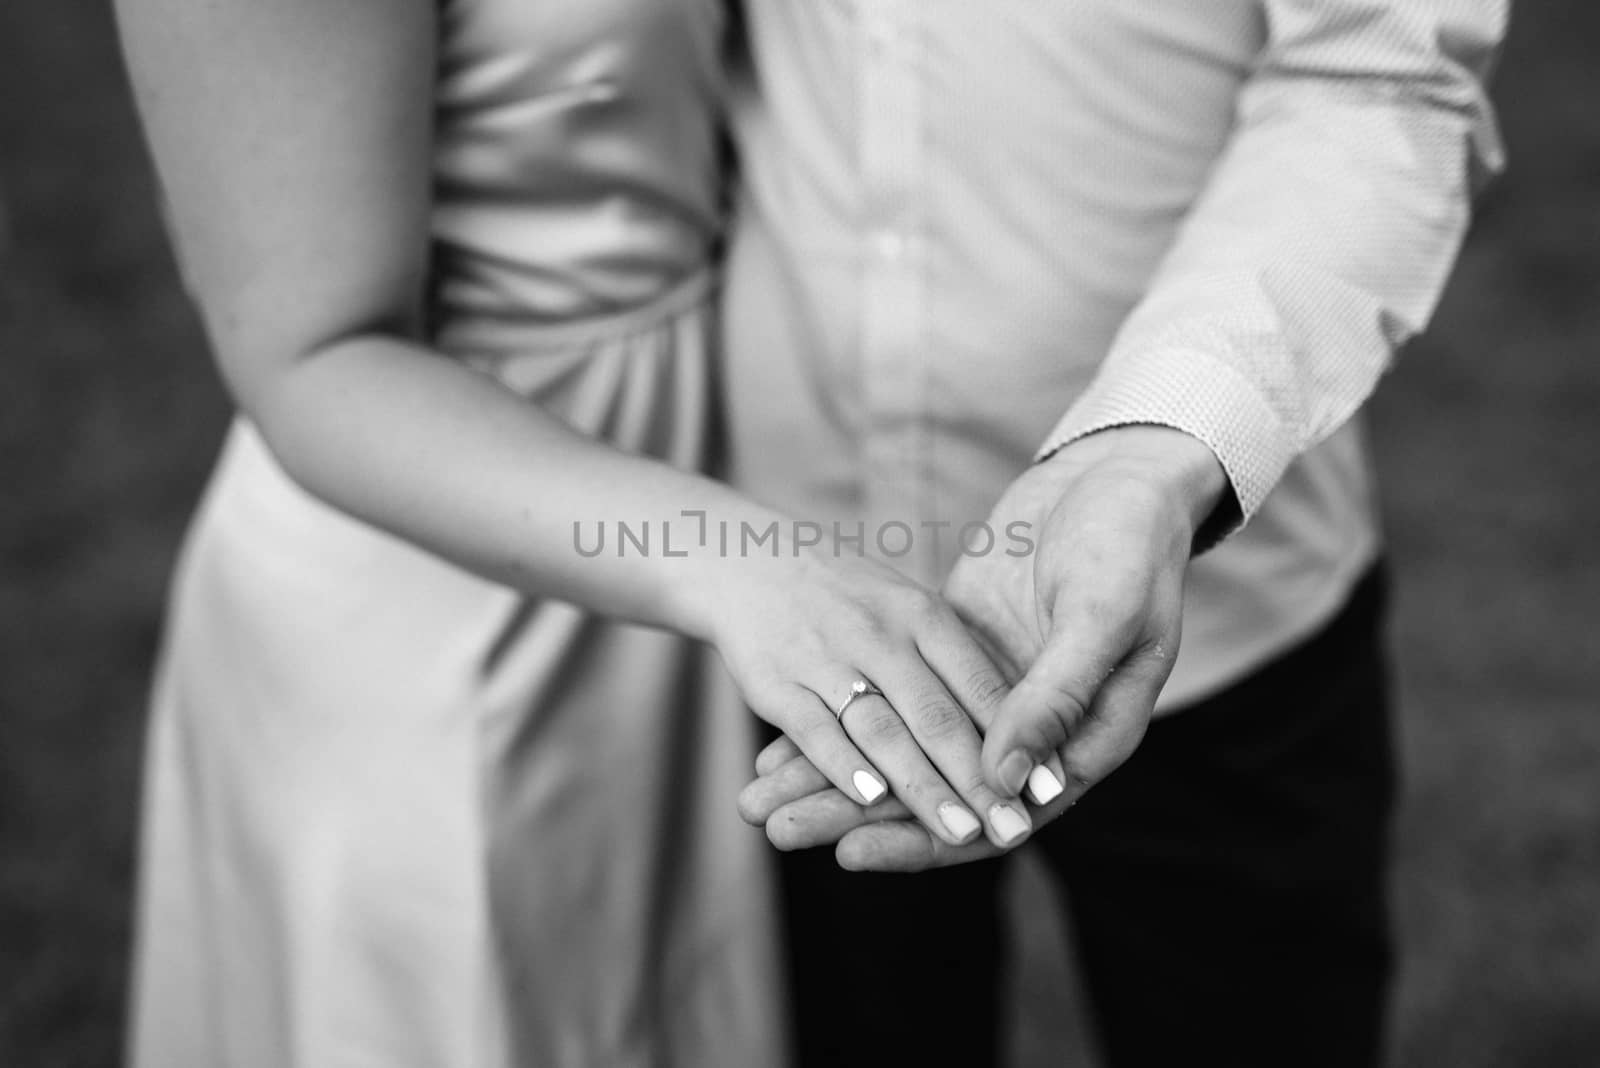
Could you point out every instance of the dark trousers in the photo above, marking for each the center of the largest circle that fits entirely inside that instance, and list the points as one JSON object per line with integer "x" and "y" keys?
{"x": 1226, "y": 886}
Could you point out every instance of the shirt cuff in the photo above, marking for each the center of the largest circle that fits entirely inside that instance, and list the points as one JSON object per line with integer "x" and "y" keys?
{"x": 1191, "y": 391}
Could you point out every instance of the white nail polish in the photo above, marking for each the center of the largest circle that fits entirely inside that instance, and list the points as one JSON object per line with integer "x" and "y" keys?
{"x": 1043, "y": 785}
{"x": 868, "y": 786}
{"x": 961, "y": 824}
{"x": 1008, "y": 823}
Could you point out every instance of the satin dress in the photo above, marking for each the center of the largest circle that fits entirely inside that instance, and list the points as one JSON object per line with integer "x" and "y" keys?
{"x": 397, "y": 815}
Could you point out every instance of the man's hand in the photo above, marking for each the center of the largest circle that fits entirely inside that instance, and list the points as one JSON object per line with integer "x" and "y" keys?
{"x": 1095, "y": 614}
{"x": 1087, "y": 626}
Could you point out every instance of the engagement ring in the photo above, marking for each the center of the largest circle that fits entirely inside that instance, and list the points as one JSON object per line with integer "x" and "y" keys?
{"x": 857, "y": 688}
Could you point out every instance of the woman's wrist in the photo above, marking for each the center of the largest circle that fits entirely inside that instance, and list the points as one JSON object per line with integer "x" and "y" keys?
{"x": 732, "y": 557}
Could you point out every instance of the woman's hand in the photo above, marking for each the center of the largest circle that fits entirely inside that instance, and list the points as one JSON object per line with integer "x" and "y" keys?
{"x": 799, "y": 629}
{"x": 800, "y": 809}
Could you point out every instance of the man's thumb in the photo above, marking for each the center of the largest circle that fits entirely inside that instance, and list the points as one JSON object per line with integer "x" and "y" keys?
{"x": 1033, "y": 722}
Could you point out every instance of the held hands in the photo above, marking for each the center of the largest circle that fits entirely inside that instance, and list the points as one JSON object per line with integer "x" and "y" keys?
{"x": 1087, "y": 627}
{"x": 798, "y": 632}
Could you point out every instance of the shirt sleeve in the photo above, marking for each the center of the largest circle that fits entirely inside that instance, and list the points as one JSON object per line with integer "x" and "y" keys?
{"x": 1322, "y": 240}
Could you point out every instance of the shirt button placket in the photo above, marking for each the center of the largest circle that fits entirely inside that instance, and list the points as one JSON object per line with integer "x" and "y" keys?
{"x": 889, "y": 153}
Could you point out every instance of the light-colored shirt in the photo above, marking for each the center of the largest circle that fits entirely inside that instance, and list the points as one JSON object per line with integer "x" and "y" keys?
{"x": 971, "y": 232}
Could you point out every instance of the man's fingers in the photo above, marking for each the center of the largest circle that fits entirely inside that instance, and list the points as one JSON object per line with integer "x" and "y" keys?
{"x": 904, "y": 846}
{"x": 775, "y": 755}
{"x": 1116, "y": 726}
{"x": 824, "y": 817}
{"x": 1046, "y": 707}
{"x": 787, "y": 782}
{"x": 984, "y": 692}
{"x": 1033, "y": 724}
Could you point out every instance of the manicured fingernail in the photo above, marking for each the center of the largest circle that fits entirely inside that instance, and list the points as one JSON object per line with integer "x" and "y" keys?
{"x": 1008, "y": 823}
{"x": 1043, "y": 785}
{"x": 961, "y": 824}
{"x": 1014, "y": 771}
{"x": 869, "y": 786}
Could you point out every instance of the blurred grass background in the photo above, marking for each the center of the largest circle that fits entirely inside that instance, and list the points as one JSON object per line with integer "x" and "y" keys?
{"x": 1488, "y": 438}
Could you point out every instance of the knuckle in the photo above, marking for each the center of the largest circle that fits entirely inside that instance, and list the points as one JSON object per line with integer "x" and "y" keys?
{"x": 882, "y": 723}
{"x": 864, "y": 623}
{"x": 818, "y": 737}
{"x": 1080, "y": 776}
{"x": 986, "y": 686}
{"x": 806, "y": 730}
{"x": 972, "y": 786}
{"x": 924, "y": 608}
{"x": 1063, "y": 704}
{"x": 941, "y": 720}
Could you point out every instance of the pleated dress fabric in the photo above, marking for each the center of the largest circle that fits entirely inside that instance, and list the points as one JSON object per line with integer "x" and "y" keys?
{"x": 397, "y": 815}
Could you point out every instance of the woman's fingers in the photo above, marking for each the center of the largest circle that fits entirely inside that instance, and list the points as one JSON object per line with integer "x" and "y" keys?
{"x": 881, "y": 843}
{"x": 976, "y": 677}
{"x": 910, "y": 723}
{"x": 881, "y": 730}
{"x": 1044, "y": 785}
{"x": 801, "y": 715}
{"x": 962, "y": 663}
{"x": 946, "y": 733}
{"x": 808, "y": 800}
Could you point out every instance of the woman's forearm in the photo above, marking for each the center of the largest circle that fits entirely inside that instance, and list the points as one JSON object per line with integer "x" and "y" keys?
{"x": 301, "y": 191}
{"x": 443, "y": 456}
{"x": 295, "y": 142}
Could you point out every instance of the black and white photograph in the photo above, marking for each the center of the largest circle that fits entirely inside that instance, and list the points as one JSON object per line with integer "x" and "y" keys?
{"x": 799, "y": 533}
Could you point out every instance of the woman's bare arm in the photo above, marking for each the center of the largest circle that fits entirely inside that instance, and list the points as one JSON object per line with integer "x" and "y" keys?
{"x": 293, "y": 139}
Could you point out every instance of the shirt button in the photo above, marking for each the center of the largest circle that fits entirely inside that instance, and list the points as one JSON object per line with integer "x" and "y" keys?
{"x": 890, "y": 245}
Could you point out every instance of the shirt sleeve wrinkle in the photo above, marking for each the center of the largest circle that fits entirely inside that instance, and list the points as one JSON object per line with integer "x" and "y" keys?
{"x": 1322, "y": 240}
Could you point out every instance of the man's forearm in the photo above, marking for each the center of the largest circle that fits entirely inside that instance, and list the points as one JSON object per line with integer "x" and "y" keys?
{"x": 1321, "y": 242}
